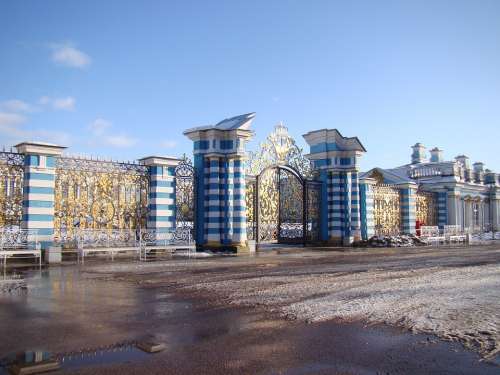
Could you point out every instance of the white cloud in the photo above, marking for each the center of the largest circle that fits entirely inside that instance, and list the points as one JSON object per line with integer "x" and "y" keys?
{"x": 169, "y": 144}
{"x": 99, "y": 126}
{"x": 11, "y": 119}
{"x": 102, "y": 133}
{"x": 11, "y": 127}
{"x": 58, "y": 104}
{"x": 120, "y": 140}
{"x": 15, "y": 105}
{"x": 66, "y": 54}
{"x": 65, "y": 104}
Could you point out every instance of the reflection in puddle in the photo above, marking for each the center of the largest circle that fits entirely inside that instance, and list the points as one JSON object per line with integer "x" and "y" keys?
{"x": 118, "y": 354}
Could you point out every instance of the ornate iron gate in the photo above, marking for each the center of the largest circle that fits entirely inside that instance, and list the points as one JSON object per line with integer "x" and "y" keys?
{"x": 283, "y": 207}
{"x": 184, "y": 195}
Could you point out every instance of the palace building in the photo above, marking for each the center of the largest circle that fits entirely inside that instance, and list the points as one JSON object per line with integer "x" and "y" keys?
{"x": 450, "y": 192}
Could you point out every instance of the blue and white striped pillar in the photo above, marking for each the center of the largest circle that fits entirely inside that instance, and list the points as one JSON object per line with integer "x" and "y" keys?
{"x": 336, "y": 158}
{"x": 366, "y": 207}
{"x": 355, "y": 208}
{"x": 335, "y": 207}
{"x": 213, "y": 202}
{"x": 347, "y": 237}
{"x": 239, "y": 213}
{"x": 442, "y": 197}
{"x": 39, "y": 189}
{"x": 162, "y": 203}
{"x": 408, "y": 207}
{"x": 219, "y": 152}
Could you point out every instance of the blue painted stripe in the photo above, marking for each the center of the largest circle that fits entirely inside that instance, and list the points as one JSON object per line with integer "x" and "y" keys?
{"x": 38, "y": 217}
{"x": 36, "y": 203}
{"x": 39, "y": 176}
{"x": 37, "y": 190}
{"x": 162, "y": 183}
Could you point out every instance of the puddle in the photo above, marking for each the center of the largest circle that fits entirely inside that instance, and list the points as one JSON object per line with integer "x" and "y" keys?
{"x": 117, "y": 354}
{"x": 120, "y": 354}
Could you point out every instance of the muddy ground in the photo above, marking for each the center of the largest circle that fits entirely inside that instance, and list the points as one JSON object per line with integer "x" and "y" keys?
{"x": 292, "y": 311}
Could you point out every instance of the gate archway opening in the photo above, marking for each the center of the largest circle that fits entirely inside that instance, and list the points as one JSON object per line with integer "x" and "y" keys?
{"x": 280, "y": 206}
{"x": 283, "y": 207}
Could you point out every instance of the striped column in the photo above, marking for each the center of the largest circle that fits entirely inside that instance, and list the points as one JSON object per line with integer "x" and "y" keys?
{"x": 355, "y": 208}
{"x": 162, "y": 209}
{"x": 239, "y": 204}
{"x": 347, "y": 220}
{"x": 442, "y": 197}
{"x": 228, "y": 200}
{"x": 366, "y": 209}
{"x": 39, "y": 189}
{"x": 335, "y": 207}
{"x": 408, "y": 208}
{"x": 213, "y": 212}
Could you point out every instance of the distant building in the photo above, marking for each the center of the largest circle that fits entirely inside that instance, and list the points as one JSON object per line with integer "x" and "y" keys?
{"x": 463, "y": 194}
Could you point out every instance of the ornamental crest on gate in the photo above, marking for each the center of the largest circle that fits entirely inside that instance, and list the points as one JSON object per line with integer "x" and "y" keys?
{"x": 279, "y": 148}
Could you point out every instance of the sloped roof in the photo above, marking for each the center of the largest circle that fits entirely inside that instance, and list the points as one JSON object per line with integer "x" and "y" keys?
{"x": 241, "y": 122}
{"x": 391, "y": 176}
{"x": 344, "y": 143}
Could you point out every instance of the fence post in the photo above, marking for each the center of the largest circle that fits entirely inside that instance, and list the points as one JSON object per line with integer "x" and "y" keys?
{"x": 162, "y": 201}
{"x": 366, "y": 207}
{"x": 408, "y": 207}
{"x": 39, "y": 188}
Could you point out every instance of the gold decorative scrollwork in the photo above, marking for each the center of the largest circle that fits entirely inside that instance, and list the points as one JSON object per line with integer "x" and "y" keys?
{"x": 387, "y": 210}
{"x": 184, "y": 192}
{"x": 426, "y": 208}
{"x": 268, "y": 205}
{"x": 11, "y": 189}
{"x": 98, "y": 195}
{"x": 279, "y": 148}
{"x": 313, "y": 213}
{"x": 250, "y": 208}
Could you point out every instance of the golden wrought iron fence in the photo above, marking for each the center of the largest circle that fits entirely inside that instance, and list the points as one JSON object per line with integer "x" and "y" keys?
{"x": 386, "y": 210}
{"x": 11, "y": 189}
{"x": 426, "y": 208}
{"x": 91, "y": 194}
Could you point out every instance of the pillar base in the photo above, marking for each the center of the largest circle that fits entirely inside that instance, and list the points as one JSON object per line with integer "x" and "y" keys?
{"x": 217, "y": 247}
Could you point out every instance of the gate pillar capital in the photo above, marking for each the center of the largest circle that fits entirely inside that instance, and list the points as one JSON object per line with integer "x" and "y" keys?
{"x": 219, "y": 151}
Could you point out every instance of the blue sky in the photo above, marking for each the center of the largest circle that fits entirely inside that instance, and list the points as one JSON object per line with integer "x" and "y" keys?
{"x": 123, "y": 79}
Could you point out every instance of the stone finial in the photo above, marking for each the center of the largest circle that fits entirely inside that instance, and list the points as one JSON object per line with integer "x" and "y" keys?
{"x": 478, "y": 166}
{"x": 419, "y": 154}
{"x": 464, "y": 160}
{"x": 436, "y": 155}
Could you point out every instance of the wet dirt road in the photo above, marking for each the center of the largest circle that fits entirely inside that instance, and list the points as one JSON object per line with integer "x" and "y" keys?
{"x": 94, "y": 311}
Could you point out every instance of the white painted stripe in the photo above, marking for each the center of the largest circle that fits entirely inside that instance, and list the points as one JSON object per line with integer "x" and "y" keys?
{"x": 163, "y": 189}
{"x": 38, "y": 210}
{"x": 32, "y": 169}
{"x": 160, "y": 224}
{"x": 38, "y": 224}
{"x": 161, "y": 213}
{"x": 40, "y": 183}
{"x": 161, "y": 201}
{"x": 39, "y": 197}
